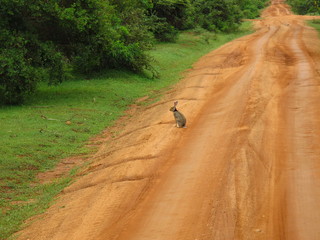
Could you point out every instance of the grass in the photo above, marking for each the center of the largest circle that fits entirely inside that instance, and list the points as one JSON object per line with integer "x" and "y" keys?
{"x": 57, "y": 122}
{"x": 315, "y": 24}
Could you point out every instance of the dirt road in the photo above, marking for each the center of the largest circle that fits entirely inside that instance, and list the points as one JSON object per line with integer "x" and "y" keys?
{"x": 247, "y": 167}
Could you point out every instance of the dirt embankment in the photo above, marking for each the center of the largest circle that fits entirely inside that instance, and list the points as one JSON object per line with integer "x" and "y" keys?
{"x": 247, "y": 167}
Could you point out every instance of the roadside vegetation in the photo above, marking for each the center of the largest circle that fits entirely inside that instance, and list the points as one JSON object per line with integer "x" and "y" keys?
{"x": 307, "y": 7}
{"x": 304, "y": 7}
{"x": 57, "y": 121}
{"x": 49, "y": 41}
{"x": 69, "y": 69}
{"x": 315, "y": 24}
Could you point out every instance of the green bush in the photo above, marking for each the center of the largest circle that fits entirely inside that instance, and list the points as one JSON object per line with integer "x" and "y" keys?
{"x": 25, "y": 61}
{"x": 17, "y": 77}
{"x": 164, "y": 32}
{"x": 38, "y": 39}
{"x": 251, "y": 8}
{"x": 45, "y": 40}
{"x": 167, "y": 17}
{"x": 217, "y": 15}
{"x": 305, "y": 6}
{"x": 176, "y": 12}
{"x": 224, "y": 15}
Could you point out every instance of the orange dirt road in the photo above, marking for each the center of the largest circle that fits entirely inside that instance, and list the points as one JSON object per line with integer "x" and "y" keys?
{"x": 247, "y": 167}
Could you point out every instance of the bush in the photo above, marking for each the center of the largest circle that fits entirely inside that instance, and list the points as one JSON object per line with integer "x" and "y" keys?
{"x": 305, "y": 6}
{"x": 24, "y": 61}
{"x": 251, "y": 8}
{"x": 176, "y": 12}
{"x": 217, "y": 15}
{"x": 38, "y": 39}
{"x": 41, "y": 39}
{"x": 168, "y": 17}
{"x": 18, "y": 78}
{"x": 164, "y": 32}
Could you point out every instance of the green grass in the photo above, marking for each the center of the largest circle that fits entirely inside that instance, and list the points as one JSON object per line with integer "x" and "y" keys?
{"x": 35, "y": 136}
{"x": 315, "y": 24}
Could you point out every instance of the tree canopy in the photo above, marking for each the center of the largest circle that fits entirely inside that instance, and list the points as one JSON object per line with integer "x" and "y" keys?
{"x": 41, "y": 41}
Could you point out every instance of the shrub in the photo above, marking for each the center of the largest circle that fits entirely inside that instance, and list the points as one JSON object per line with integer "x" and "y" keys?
{"x": 164, "y": 32}
{"x": 168, "y": 17}
{"x": 38, "y": 39}
{"x": 24, "y": 61}
{"x": 251, "y": 8}
{"x": 176, "y": 12}
{"x": 305, "y": 6}
{"x": 217, "y": 15}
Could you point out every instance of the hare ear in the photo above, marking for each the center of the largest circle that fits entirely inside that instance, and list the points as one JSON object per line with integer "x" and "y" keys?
{"x": 175, "y": 103}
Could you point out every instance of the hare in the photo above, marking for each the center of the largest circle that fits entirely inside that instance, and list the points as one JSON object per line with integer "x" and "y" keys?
{"x": 179, "y": 117}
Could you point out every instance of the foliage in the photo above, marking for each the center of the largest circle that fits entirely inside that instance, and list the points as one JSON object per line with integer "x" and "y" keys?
{"x": 169, "y": 16}
{"x": 224, "y": 15}
{"x": 24, "y": 61}
{"x": 176, "y": 12}
{"x": 305, "y": 6}
{"x": 217, "y": 15}
{"x": 163, "y": 31}
{"x": 43, "y": 41}
{"x": 38, "y": 39}
{"x": 251, "y": 8}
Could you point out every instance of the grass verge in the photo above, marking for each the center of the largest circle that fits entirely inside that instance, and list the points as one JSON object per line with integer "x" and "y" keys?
{"x": 57, "y": 121}
{"x": 315, "y": 24}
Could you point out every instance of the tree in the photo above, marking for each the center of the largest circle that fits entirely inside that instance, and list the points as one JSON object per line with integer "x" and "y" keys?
{"x": 40, "y": 38}
{"x": 305, "y": 6}
{"x": 217, "y": 15}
